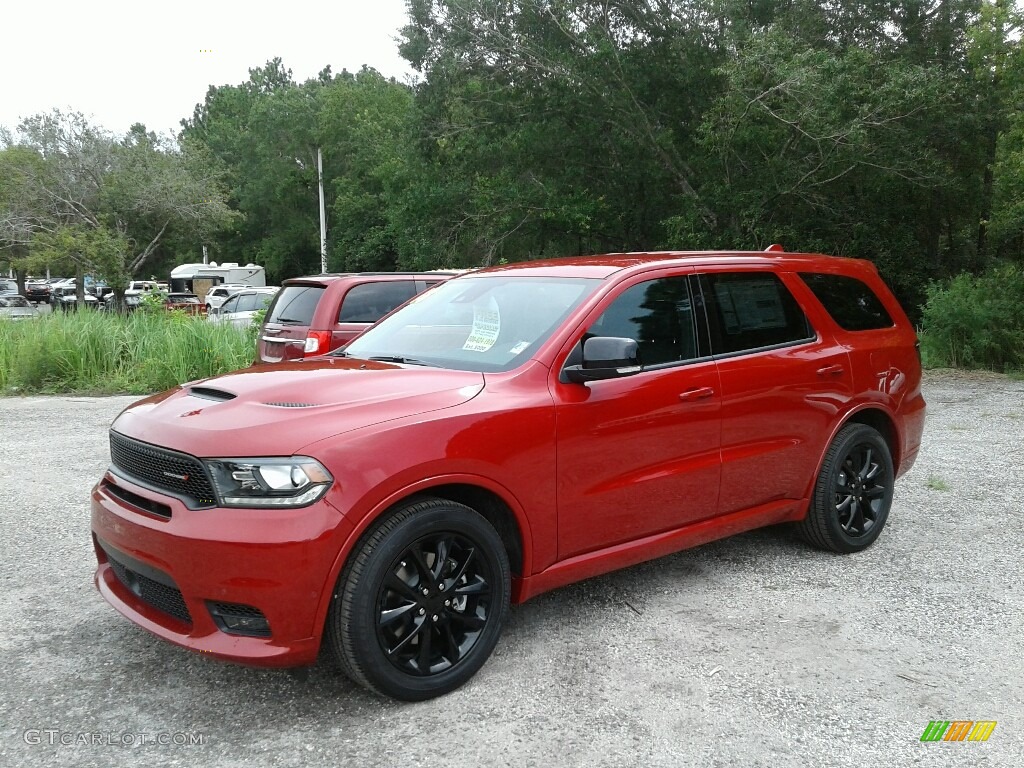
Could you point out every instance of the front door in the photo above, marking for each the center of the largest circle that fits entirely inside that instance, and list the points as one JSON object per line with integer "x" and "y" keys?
{"x": 639, "y": 455}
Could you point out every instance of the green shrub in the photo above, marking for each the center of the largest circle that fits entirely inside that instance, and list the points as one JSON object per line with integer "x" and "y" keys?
{"x": 975, "y": 321}
{"x": 97, "y": 352}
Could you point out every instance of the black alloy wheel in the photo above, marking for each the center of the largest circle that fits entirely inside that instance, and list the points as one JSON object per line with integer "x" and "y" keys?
{"x": 853, "y": 492}
{"x": 419, "y": 607}
{"x": 433, "y": 604}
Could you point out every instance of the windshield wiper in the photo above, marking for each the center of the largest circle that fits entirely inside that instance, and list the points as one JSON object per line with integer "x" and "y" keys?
{"x": 289, "y": 321}
{"x": 397, "y": 359}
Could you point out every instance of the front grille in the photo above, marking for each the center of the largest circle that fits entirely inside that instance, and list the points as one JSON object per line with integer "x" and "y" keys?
{"x": 163, "y": 597}
{"x": 177, "y": 473}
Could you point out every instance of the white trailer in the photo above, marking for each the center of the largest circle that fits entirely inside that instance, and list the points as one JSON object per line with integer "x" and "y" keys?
{"x": 199, "y": 278}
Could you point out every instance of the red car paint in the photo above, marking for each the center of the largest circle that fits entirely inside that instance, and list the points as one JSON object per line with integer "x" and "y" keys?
{"x": 589, "y": 477}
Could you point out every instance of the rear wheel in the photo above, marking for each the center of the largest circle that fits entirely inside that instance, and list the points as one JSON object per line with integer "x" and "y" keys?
{"x": 419, "y": 608}
{"x": 853, "y": 492}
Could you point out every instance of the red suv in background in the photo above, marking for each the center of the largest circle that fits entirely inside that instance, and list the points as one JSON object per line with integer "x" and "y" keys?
{"x": 314, "y": 315}
{"x": 512, "y": 430}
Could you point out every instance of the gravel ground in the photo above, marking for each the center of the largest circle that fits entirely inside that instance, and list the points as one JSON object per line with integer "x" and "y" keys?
{"x": 754, "y": 651}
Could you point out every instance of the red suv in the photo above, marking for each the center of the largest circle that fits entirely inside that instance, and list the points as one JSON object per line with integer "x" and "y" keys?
{"x": 510, "y": 431}
{"x": 314, "y": 315}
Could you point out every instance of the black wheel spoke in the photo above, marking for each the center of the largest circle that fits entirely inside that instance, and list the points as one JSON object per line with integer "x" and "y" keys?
{"x": 469, "y": 621}
{"x": 875, "y": 492}
{"x": 452, "y": 652}
{"x": 866, "y": 466}
{"x": 467, "y": 558}
{"x": 397, "y": 584}
{"x": 406, "y": 641}
{"x": 423, "y": 654}
{"x": 856, "y": 524}
{"x": 392, "y": 615}
{"x": 473, "y": 588}
{"x": 420, "y": 560}
{"x": 440, "y": 559}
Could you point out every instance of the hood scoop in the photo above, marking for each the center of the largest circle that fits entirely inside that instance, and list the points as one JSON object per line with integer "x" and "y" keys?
{"x": 209, "y": 393}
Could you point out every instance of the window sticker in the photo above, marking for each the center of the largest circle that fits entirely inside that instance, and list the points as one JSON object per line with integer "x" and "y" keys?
{"x": 486, "y": 326}
{"x": 519, "y": 347}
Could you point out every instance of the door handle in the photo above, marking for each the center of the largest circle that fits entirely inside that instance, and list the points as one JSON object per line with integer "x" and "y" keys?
{"x": 696, "y": 394}
{"x": 831, "y": 370}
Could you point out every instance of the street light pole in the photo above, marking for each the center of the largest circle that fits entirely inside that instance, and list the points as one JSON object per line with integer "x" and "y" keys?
{"x": 323, "y": 217}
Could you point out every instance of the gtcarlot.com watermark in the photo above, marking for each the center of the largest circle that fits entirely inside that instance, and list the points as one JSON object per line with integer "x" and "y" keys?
{"x": 53, "y": 737}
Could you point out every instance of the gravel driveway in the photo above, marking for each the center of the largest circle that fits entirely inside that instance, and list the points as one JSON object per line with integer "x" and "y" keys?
{"x": 754, "y": 651}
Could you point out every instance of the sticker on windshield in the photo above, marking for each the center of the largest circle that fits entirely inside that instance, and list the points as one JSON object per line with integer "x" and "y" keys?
{"x": 486, "y": 326}
{"x": 519, "y": 347}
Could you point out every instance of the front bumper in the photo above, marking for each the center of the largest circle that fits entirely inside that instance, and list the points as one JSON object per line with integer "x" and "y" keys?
{"x": 164, "y": 572}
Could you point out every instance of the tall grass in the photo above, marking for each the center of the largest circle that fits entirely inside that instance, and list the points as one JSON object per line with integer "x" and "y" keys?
{"x": 105, "y": 353}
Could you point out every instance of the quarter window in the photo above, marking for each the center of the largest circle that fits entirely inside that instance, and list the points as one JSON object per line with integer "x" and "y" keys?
{"x": 751, "y": 310}
{"x": 850, "y": 302}
{"x": 658, "y": 315}
{"x": 369, "y": 302}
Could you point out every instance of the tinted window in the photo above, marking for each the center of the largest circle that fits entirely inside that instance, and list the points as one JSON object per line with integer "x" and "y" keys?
{"x": 295, "y": 304}
{"x": 246, "y": 302}
{"x": 750, "y": 310}
{"x": 231, "y": 305}
{"x": 850, "y": 302}
{"x": 658, "y": 315}
{"x": 369, "y": 302}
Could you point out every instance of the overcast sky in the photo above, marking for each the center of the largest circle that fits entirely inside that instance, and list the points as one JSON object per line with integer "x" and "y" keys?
{"x": 122, "y": 62}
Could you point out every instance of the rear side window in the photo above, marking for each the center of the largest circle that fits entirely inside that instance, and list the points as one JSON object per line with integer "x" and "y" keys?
{"x": 658, "y": 315}
{"x": 751, "y": 310}
{"x": 369, "y": 302}
{"x": 295, "y": 304}
{"x": 850, "y": 302}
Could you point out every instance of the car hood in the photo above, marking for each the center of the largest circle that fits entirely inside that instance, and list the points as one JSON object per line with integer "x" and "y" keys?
{"x": 275, "y": 410}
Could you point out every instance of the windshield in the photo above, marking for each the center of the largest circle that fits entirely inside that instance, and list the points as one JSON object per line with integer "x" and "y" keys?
{"x": 484, "y": 323}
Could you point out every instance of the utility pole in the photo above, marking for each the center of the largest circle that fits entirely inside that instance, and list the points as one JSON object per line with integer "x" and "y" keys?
{"x": 323, "y": 217}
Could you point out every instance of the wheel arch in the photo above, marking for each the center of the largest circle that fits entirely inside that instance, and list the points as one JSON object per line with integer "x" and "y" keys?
{"x": 494, "y": 504}
{"x": 872, "y": 416}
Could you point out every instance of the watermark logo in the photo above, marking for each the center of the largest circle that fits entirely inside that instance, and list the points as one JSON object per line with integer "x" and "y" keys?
{"x": 53, "y": 737}
{"x": 958, "y": 730}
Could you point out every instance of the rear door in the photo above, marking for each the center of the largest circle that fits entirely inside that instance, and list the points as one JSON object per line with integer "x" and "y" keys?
{"x": 283, "y": 336}
{"x": 783, "y": 383}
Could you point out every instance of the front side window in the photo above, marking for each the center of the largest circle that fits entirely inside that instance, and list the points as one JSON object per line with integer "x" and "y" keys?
{"x": 850, "y": 302}
{"x": 482, "y": 323}
{"x": 231, "y": 305}
{"x": 751, "y": 310}
{"x": 369, "y": 302}
{"x": 246, "y": 302}
{"x": 658, "y": 315}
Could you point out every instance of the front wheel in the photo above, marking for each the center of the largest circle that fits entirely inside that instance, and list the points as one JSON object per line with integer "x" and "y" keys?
{"x": 853, "y": 492}
{"x": 419, "y": 608}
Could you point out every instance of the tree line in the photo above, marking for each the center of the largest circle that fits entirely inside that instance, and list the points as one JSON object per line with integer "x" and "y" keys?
{"x": 890, "y": 130}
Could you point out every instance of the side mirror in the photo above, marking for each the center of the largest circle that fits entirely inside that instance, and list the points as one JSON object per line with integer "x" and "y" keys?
{"x": 605, "y": 357}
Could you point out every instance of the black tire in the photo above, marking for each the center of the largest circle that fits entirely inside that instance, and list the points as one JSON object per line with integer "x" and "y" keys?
{"x": 389, "y": 626}
{"x": 853, "y": 492}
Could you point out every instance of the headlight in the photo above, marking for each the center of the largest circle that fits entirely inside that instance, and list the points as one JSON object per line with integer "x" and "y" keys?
{"x": 294, "y": 481}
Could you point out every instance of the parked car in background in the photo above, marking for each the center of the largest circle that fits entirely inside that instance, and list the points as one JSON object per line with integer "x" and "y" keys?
{"x": 65, "y": 297}
{"x": 508, "y": 432}
{"x": 8, "y": 286}
{"x": 240, "y": 309}
{"x": 314, "y": 315}
{"x": 37, "y": 291}
{"x": 15, "y": 307}
{"x": 216, "y": 296}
